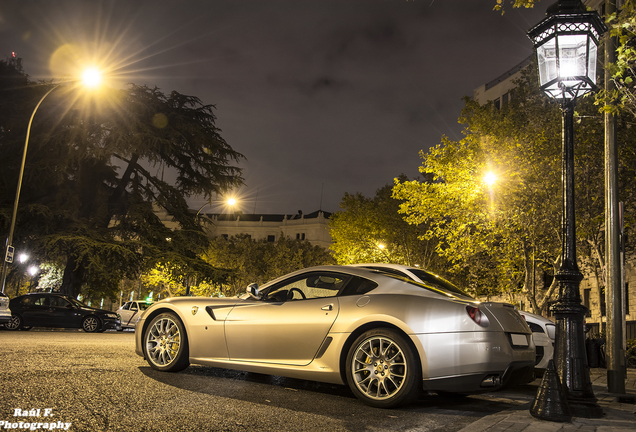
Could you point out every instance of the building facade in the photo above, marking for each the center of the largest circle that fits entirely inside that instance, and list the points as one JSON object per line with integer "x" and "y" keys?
{"x": 313, "y": 227}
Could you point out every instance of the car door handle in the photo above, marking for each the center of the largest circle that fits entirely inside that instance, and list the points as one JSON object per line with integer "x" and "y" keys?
{"x": 327, "y": 308}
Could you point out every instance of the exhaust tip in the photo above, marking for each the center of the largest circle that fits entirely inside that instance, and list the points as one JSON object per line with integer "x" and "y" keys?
{"x": 491, "y": 381}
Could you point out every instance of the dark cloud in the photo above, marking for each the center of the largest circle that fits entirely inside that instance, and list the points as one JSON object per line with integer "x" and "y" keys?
{"x": 319, "y": 95}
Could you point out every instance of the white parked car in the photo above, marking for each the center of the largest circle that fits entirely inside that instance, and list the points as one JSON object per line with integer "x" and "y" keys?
{"x": 130, "y": 312}
{"x": 5, "y": 312}
{"x": 543, "y": 335}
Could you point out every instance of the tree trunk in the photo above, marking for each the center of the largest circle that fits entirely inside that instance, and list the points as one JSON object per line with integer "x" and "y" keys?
{"x": 73, "y": 277}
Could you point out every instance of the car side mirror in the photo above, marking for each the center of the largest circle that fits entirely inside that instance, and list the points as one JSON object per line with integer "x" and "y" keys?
{"x": 252, "y": 290}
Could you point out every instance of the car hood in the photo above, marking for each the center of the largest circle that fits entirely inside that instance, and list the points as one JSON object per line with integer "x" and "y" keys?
{"x": 95, "y": 310}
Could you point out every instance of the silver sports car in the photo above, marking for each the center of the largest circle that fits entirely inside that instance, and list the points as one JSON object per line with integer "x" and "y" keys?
{"x": 385, "y": 336}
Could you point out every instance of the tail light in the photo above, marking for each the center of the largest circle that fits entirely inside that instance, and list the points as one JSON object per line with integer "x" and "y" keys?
{"x": 478, "y": 316}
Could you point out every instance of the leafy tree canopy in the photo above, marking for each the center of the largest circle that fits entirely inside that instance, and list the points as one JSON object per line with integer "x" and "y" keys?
{"x": 97, "y": 170}
{"x": 261, "y": 261}
{"x": 369, "y": 230}
{"x": 498, "y": 234}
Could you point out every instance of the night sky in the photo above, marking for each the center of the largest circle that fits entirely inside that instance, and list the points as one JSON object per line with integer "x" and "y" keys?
{"x": 322, "y": 97}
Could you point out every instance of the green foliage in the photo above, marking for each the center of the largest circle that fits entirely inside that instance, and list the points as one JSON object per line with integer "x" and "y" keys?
{"x": 622, "y": 98}
{"x": 260, "y": 261}
{"x": 369, "y": 230}
{"x": 95, "y": 176}
{"x": 496, "y": 236}
{"x": 500, "y": 4}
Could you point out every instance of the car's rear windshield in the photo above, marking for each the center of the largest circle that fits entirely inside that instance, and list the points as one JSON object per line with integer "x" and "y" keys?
{"x": 144, "y": 306}
{"x": 437, "y": 282}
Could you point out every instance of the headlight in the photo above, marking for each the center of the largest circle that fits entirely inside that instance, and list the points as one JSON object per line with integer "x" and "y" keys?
{"x": 110, "y": 315}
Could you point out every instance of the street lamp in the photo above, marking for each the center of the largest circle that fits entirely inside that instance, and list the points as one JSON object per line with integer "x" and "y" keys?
{"x": 230, "y": 202}
{"x": 90, "y": 78}
{"x": 566, "y": 44}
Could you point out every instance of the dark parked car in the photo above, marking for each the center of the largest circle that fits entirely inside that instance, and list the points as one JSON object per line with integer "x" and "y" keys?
{"x": 56, "y": 310}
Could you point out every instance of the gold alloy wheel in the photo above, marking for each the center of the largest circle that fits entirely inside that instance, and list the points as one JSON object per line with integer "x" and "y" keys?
{"x": 163, "y": 339}
{"x": 379, "y": 368}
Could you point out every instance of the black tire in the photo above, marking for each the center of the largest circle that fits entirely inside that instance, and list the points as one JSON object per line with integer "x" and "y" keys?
{"x": 166, "y": 343}
{"x": 15, "y": 323}
{"x": 91, "y": 324}
{"x": 383, "y": 369}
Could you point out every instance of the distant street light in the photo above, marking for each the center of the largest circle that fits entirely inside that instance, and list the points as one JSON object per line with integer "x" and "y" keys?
{"x": 566, "y": 43}
{"x": 230, "y": 202}
{"x": 90, "y": 78}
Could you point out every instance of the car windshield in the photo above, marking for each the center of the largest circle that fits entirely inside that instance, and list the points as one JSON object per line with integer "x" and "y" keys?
{"x": 76, "y": 303}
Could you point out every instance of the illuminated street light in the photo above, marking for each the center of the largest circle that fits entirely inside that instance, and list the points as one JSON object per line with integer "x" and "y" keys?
{"x": 490, "y": 178}
{"x": 230, "y": 202}
{"x": 566, "y": 44}
{"x": 23, "y": 258}
{"x": 90, "y": 77}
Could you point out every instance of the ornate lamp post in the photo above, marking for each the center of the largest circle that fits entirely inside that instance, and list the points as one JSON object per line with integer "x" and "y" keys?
{"x": 90, "y": 78}
{"x": 566, "y": 45}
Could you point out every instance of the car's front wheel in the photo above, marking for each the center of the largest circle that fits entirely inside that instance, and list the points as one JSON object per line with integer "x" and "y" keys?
{"x": 166, "y": 343}
{"x": 90, "y": 324}
{"x": 382, "y": 369}
{"x": 14, "y": 324}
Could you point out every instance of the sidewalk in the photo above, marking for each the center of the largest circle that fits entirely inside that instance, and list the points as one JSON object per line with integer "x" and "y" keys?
{"x": 618, "y": 416}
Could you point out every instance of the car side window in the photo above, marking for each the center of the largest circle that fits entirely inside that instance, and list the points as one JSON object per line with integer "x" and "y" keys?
{"x": 133, "y": 306}
{"x": 41, "y": 301}
{"x": 126, "y": 306}
{"x": 59, "y": 302}
{"x": 308, "y": 286}
{"x": 29, "y": 301}
{"x": 359, "y": 286}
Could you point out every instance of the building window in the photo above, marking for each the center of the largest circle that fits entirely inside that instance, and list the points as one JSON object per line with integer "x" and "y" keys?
{"x": 300, "y": 236}
{"x": 504, "y": 100}
{"x": 271, "y": 238}
{"x": 586, "y": 301}
{"x": 627, "y": 298}
{"x": 224, "y": 236}
{"x": 602, "y": 301}
{"x": 498, "y": 103}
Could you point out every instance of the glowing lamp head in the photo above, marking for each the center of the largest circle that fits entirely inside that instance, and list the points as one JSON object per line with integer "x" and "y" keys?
{"x": 566, "y": 45}
{"x": 231, "y": 201}
{"x": 490, "y": 179}
{"x": 91, "y": 77}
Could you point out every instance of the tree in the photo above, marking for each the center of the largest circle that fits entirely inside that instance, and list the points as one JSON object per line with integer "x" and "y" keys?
{"x": 369, "y": 230}
{"x": 96, "y": 172}
{"x": 260, "y": 261}
{"x": 499, "y": 236}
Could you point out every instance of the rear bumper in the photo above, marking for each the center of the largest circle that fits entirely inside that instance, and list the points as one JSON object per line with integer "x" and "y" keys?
{"x": 471, "y": 362}
{"x": 517, "y": 373}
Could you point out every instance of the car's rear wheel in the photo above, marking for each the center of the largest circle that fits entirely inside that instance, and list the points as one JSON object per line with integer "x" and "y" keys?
{"x": 166, "y": 343}
{"x": 382, "y": 369}
{"x": 90, "y": 324}
{"x": 14, "y": 324}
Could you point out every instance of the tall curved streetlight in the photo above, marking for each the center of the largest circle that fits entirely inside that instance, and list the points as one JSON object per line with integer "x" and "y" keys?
{"x": 566, "y": 44}
{"x": 90, "y": 78}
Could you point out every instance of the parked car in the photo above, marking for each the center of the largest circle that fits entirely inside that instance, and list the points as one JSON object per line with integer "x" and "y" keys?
{"x": 543, "y": 336}
{"x": 5, "y": 312}
{"x": 386, "y": 336}
{"x": 56, "y": 310}
{"x": 130, "y": 311}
